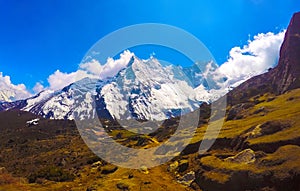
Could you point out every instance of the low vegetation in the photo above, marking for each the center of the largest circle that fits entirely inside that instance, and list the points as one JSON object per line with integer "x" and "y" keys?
{"x": 257, "y": 149}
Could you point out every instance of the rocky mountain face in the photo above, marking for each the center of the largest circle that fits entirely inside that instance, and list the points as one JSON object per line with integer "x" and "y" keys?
{"x": 282, "y": 78}
{"x": 286, "y": 75}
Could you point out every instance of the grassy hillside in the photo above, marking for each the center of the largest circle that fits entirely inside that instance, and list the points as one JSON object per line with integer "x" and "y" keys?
{"x": 256, "y": 149}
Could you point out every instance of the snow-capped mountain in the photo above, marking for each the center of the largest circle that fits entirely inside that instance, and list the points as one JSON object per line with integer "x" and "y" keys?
{"x": 146, "y": 90}
{"x": 143, "y": 90}
{"x": 63, "y": 104}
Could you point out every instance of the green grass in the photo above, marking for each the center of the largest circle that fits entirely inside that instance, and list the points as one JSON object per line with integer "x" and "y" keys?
{"x": 278, "y": 109}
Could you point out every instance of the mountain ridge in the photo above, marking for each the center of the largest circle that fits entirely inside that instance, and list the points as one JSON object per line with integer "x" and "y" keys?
{"x": 166, "y": 82}
{"x": 140, "y": 90}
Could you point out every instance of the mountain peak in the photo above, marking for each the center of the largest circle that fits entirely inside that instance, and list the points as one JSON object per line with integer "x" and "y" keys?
{"x": 286, "y": 75}
{"x": 295, "y": 23}
{"x": 131, "y": 61}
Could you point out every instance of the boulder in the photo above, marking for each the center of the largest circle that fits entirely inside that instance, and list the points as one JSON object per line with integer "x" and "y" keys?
{"x": 187, "y": 179}
{"x": 97, "y": 164}
{"x": 246, "y": 156}
{"x": 144, "y": 169}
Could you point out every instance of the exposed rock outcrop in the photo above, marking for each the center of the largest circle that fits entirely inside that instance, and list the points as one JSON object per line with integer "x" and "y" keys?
{"x": 286, "y": 75}
{"x": 246, "y": 156}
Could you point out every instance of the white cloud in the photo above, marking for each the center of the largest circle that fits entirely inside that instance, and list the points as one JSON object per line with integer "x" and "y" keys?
{"x": 10, "y": 91}
{"x": 92, "y": 69}
{"x": 253, "y": 59}
{"x": 59, "y": 80}
{"x": 38, "y": 87}
{"x": 110, "y": 68}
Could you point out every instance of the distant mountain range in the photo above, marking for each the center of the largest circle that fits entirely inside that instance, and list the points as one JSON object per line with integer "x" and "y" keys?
{"x": 144, "y": 90}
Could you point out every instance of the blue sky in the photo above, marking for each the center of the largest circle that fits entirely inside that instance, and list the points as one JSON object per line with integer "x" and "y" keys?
{"x": 39, "y": 37}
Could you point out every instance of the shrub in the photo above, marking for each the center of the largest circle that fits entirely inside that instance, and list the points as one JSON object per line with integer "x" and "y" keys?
{"x": 52, "y": 173}
{"x": 7, "y": 179}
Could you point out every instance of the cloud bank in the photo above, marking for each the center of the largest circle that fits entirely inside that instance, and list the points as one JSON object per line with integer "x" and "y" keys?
{"x": 10, "y": 91}
{"x": 59, "y": 80}
{"x": 253, "y": 59}
{"x": 110, "y": 68}
{"x": 38, "y": 87}
{"x": 92, "y": 69}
